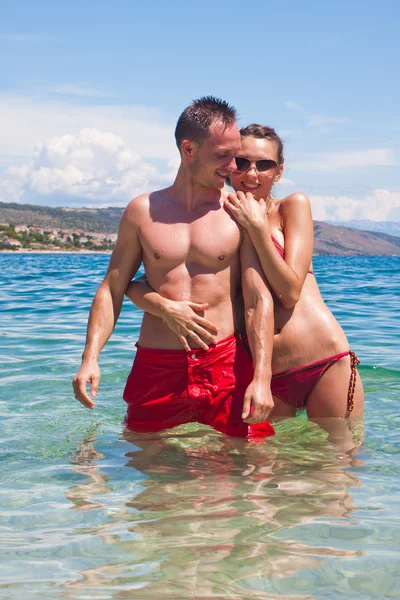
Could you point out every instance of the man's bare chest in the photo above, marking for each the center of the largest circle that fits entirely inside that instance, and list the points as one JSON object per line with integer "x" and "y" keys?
{"x": 212, "y": 240}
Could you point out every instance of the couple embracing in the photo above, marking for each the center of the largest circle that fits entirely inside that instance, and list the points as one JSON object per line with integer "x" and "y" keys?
{"x": 235, "y": 332}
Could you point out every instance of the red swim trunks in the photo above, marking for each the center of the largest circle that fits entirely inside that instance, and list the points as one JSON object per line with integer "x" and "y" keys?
{"x": 166, "y": 388}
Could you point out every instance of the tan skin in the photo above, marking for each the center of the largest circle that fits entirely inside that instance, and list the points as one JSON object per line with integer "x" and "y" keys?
{"x": 191, "y": 249}
{"x": 305, "y": 328}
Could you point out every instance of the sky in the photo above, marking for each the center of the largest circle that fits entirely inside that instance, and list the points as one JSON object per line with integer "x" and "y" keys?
{"x": 90, "y": 93}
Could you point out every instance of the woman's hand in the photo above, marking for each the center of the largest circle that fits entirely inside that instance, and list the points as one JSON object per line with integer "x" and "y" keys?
{"x": 183, "y": 319}
{"x": 247, "y": 211}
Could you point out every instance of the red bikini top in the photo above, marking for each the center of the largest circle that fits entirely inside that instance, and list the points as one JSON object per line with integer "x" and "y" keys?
{"x": 281, "y": 250}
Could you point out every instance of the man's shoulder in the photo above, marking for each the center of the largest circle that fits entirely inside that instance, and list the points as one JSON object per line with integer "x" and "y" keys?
{"x": 139, "y": 206}
{"x": 139, "y": 203}
{"x": 137, "y": 209}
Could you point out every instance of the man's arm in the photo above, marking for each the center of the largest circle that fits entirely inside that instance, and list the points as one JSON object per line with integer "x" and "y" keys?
{"x": 106, "y": 307}
{"x": 259, "y": 316}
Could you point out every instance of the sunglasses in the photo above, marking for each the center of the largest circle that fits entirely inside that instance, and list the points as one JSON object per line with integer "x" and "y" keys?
{"x": 243, "y": 164}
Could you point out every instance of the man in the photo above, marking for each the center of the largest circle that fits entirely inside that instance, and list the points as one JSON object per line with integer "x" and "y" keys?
{"x": 191, "y": 249}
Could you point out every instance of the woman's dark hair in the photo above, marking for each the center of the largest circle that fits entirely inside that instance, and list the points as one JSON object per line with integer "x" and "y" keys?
{"x": 262, "y": 132}
{"x": 194, "y": 123}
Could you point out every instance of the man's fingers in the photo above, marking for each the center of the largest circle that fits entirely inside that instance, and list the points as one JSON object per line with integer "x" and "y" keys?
{"x": 94, "y": 388}
{"x": 81, "y": 394}
{"x": 83, "y": 397}
{"x": 259, "y": 415}
{"x": 87, "y": 403}
{"x": 255, "y": 418}
{"x": 246, "y": 408}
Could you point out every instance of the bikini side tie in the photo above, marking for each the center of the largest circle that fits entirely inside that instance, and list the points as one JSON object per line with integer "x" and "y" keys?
{"x": 353, "y": 378}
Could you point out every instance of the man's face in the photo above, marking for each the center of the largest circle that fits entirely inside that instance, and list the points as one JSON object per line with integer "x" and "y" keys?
{"x": 215, "y": 157}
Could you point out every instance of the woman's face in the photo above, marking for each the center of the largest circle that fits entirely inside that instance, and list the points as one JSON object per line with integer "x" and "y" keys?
{"x": 259, "y": 183}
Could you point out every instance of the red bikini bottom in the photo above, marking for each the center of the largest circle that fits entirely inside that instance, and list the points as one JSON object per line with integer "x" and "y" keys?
{"x": 295, "y": 385}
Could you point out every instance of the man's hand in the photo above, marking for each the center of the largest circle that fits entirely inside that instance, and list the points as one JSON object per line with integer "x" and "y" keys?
{"x": 88, "y": 373}
{"x": 258, "y": 402}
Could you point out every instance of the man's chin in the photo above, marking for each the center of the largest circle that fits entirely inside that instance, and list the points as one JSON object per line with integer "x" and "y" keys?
{"x": 214, "y": 185}
{"x": 219, "y": 182}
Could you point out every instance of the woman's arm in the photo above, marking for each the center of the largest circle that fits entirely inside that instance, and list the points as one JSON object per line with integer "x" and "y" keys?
{"x": 285, "y": 276}
{"x": 181, "y": 316}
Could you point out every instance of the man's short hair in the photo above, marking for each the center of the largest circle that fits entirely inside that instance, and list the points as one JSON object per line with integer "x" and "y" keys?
{"x": 194, "y": 123}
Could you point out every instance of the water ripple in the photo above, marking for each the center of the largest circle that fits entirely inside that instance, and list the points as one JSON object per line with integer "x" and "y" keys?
{"x": 89, "y": 511}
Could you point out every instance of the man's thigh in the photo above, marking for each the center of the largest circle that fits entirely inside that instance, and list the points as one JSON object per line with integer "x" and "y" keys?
{"x": 156, "y": 393}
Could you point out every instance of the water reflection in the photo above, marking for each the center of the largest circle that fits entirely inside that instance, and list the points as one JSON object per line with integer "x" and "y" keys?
{"x": 215, "y": 517}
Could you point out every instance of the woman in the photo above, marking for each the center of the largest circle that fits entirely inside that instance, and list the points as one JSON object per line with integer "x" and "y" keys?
{"x": 312, "y": 365}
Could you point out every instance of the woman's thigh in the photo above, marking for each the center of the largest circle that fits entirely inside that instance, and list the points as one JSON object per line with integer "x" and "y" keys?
{"x": 329, "y": 397}
{"x": 281, "y": 409}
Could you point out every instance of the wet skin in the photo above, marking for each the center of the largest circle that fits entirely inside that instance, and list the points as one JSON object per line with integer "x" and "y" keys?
{"x": 191, "y": 249}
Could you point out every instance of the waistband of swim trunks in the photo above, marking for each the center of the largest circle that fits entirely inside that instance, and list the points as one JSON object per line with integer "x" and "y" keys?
{"x": 213, "y": 349}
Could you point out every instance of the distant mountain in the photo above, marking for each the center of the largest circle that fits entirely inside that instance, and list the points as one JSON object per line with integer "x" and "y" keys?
{"x": 329, "y": 239}
{"x": 89, "y": 219}
{"x": 389, "y": 227}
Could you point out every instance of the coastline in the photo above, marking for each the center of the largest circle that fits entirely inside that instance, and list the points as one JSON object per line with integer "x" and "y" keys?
{"x": 27, "y": 251}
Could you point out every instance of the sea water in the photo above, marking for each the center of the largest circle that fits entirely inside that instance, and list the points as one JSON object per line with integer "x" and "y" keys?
{"x": 86, "y": 511}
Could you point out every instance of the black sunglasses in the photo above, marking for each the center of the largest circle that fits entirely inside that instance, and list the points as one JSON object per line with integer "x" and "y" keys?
{"x": 243, "y": 164}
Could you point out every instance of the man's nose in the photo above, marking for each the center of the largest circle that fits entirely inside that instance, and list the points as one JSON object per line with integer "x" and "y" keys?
{"x": 232, "y": 165}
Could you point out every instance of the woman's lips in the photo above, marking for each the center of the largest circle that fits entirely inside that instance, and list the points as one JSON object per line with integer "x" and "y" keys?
{"x": 250, "y": 187}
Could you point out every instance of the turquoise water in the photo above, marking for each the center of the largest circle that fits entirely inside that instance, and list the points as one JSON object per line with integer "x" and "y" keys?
{"x": 86, "y": 512}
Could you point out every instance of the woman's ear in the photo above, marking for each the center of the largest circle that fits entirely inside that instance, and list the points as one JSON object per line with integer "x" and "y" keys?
{"x": 278, "y": 173}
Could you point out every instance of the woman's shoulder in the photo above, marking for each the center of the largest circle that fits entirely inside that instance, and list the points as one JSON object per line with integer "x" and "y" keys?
{"x": 294, "y": 203}
{"x": 296, "y": 198}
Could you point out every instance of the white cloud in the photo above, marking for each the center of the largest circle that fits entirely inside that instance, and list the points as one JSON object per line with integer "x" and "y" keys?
{"x": 317, "y": 122}
{"x": 381, "y": 205}
{"x": 293, "y": 106}
{"x": 345, "y": 160}
{"x": 324, "y": 124}
{"x": 290, "y": 134}
{"x": 66, "y": 89}
{"x": 93, "y": 166}
{"x": 285, "y": 181}
{"x": 24, "y": 121}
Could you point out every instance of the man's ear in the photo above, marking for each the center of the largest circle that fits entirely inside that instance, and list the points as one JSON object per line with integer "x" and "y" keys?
{"x": 187, "y": 149}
